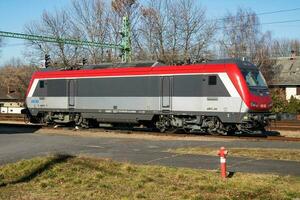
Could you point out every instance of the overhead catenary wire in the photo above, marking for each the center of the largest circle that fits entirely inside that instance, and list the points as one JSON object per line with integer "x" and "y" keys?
{"x": 265, "y": 23}
{"x": 262, "y": 13}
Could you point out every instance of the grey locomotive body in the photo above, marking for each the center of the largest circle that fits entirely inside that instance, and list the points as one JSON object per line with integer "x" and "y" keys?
{"x": 193, "y": 98}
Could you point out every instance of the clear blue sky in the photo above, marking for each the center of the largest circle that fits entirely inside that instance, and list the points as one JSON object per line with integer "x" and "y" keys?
{"x": 14, "y": 14}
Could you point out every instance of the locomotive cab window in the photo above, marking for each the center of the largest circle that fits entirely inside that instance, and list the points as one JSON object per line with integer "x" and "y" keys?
{"x": 212, "y": 80}
{"x": 42, "y": 84}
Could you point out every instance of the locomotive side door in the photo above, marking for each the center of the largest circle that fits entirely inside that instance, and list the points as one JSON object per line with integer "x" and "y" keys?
{"x": 166, "y": 93}
{"x": 71, "y": 93}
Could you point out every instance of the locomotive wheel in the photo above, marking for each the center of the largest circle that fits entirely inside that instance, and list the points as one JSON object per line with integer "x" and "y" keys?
{"x": 26, "y": 119}
{"x": 162, "y": 124}
{"x": 211, "y": 132}
{"x": 85, "y": 124}
{"x": 162, "y": 130}
{"x": 186, "y": 130}
{"x": 173, "y": 130}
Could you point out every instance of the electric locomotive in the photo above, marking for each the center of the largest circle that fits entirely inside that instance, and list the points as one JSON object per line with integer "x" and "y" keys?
{"x": 216, "y": 97}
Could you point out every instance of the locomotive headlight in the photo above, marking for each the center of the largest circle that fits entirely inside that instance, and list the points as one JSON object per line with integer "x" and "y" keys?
{"x": 253, "y": 104}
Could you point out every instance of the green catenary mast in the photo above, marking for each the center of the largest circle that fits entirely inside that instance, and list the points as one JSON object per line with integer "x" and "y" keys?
{"x": 126, "y": 40}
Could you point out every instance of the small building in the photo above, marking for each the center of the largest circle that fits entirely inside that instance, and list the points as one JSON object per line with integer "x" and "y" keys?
{"x": 10, "y": 103}
{"x": 288, "y": 77}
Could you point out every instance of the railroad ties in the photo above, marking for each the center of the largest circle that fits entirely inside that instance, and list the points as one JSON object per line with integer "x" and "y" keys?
{"x": 285, "y": 125}
{"x": 12, "y": 117}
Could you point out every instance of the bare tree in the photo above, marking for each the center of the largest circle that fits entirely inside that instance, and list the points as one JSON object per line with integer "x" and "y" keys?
{"x": 6, "y": 78}
{"x": 127, "y": 8}
{"x": 241, "y": 33}
{"x": 197, "y": 31}
{"x": 149, "y": 29}
{"x": 90, "y": 20}
{"x": 115, "y": 25}
{"x": 56, "y": 25}
{"x": 166, "y": 30}
{"x": 242, "y": 37}
{"x": 153, "y": 29}
{"x": 15, "y": 77}
{"x": 283, "y": 47}
{"x": 175, "y": 30}
{"x": 295, "y": 46}
{"x": 130, "y": 9}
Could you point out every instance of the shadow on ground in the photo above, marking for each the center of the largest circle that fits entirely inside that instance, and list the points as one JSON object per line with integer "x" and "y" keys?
{"x": 60, "y": 158}
{"x": 272, "y": 133}
{"x": 18, "y": 128}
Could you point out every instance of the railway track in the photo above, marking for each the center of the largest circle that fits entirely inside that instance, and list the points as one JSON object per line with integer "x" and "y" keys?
{"x": 264, "y": 137}
{"x": 278, "y": 125}
{"x": 285, "y": 125}
{"x": 269, "y": 135}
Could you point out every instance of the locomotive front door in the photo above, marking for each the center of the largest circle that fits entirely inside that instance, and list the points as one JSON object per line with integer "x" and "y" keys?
{"x": 166, "y": 93}
{"x": 71, "y": 93}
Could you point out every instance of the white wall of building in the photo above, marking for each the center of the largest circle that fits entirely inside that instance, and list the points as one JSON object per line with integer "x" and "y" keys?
{"x": 291, "y": 91}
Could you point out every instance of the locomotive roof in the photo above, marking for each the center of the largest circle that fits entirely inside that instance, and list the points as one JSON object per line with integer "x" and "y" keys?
{"x": 119, "y": 65}
{"x": 113, "y": 65}
{"x": 241, "y": 64}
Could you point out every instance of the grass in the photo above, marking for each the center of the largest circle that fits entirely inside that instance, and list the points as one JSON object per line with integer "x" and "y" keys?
{"x": 256, "y": 153}
{"x": 67, "y": 177}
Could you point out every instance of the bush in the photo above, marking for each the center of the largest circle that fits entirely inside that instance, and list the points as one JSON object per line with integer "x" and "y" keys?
{"x": 281, "y": 105}
{"x": 279, "y": 102}
{"x": 293, "y": 106}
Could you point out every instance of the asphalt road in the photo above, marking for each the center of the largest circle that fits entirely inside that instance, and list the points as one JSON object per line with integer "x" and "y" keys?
{"x": 19, "y": 142}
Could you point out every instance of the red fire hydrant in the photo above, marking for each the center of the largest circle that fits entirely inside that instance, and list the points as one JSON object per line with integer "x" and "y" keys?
{"x": 223, "y": 153}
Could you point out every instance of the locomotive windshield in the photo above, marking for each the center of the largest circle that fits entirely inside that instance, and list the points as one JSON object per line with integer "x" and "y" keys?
{"x": 254, "y": 78}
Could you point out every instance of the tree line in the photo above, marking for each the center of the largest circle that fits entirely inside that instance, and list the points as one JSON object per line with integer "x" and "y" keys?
{"x": 15, "y": 77}
{"x": 170, "y": 31}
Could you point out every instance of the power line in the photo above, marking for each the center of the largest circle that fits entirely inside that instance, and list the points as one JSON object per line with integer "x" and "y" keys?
{"x": 262, "y": 13}
{"x": 281, "y": 22}
{"x": 278, "y": 11}
{"x": 265, "y": 23}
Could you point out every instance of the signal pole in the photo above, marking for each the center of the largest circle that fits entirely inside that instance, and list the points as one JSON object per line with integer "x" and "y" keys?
{"x": 47, "y": 60}
{"x": 84, "y": 61}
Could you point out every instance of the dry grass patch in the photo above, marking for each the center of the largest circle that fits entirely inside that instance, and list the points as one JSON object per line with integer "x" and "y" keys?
{"x": 257, "y": 153}
{"x": 66, "y": 177}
